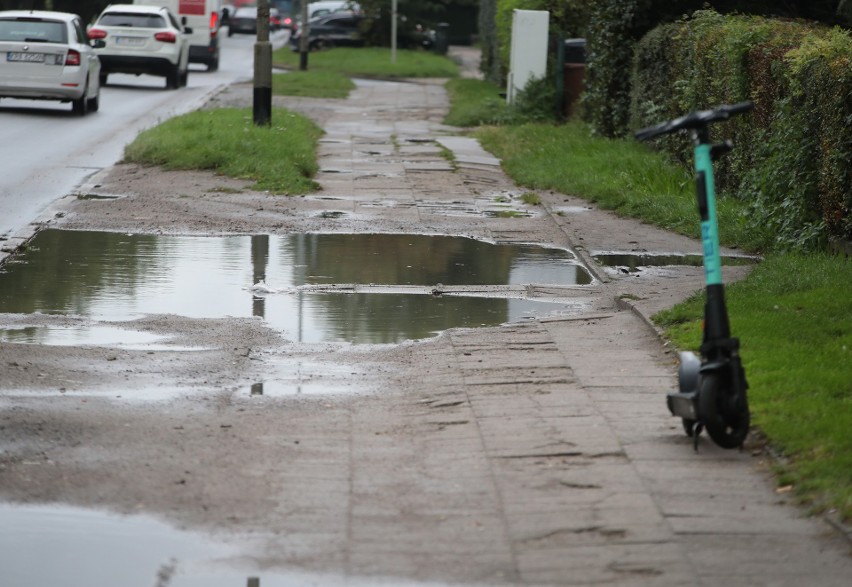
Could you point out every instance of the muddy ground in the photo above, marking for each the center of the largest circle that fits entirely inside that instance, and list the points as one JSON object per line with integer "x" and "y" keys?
{"x": 446, "y": 459}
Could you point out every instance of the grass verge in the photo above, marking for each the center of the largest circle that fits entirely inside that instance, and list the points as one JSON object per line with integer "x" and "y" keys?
{"x": 370, "y": 62}
{"x": 793, "y": 316}
{"x": 618, "y": 175}
{"x": 280, "y": 158}
{"x": 474, "y": 102}
{"x": 312, "y": 84}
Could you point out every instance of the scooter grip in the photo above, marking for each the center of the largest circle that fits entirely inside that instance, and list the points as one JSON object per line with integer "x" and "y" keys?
{"x": 652, "y": 131}
{"x": 734, "y": 109}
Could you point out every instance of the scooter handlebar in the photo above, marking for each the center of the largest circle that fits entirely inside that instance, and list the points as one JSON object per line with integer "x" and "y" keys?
{"x": 653, "y": 131}
{"x": 696, "y": 119}
{"x": 740, "y": 108}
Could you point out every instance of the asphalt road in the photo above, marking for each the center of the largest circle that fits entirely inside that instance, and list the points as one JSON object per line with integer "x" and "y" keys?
{"x": 46, "y": 151}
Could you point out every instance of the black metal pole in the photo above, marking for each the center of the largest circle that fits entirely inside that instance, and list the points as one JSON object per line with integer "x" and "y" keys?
{"x": 262, "y": 103}
{"x": 304, "y": 44}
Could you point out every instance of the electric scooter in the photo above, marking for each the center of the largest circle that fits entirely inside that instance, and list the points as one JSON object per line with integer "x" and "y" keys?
{"x": 712, "y": 389}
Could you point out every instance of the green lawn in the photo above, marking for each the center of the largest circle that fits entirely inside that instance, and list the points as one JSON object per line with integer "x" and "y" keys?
{"x": 280, "y": 158}
{"x": 312, "y": 84}
{"x": 370, "y": 62}
{"x": 618, "y": 175}
{"x": 474, "y": 102}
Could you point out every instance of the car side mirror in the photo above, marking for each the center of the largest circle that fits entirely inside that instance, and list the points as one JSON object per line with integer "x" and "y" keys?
{"x": 97, "y": 43}
{"x": 187, "y": 30}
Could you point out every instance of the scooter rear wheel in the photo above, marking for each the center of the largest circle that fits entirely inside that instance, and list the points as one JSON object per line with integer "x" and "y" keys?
{"x": 726, "y": 418}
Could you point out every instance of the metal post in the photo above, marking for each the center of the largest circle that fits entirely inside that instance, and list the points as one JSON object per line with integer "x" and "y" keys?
{"x": 560, "y": 76}
{"x": 304, "y": 44}
{"x": 393, "y": 31}
{"x": 262, "y": 68}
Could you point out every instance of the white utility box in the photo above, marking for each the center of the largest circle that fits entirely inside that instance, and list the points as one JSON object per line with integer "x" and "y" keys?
{"x": 528, "y": 57}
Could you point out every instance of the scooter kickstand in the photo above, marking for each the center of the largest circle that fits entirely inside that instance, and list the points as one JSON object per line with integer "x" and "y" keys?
{"x": 696, "y": 432}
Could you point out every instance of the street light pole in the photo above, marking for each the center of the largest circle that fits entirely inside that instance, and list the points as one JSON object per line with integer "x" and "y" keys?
{"x": 304, "y": 41}
{"x": 393, "y": 31}
{"x": 262, "y": 103}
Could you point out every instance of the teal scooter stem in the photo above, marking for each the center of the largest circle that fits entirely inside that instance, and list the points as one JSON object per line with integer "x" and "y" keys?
{"x": 712, "y": 389}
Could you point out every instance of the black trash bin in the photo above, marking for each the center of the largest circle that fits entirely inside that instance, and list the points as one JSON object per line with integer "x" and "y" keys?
{"x": 442, "y": 38}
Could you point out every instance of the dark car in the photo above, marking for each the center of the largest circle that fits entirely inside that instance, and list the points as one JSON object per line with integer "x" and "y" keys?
{"x": 244, "y": 20}
{"x": 338, "y": 29}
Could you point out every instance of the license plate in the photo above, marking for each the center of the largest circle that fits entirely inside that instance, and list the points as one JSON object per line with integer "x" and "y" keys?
{"x": 130, "y": 41}
{"x": 24, "y": 57}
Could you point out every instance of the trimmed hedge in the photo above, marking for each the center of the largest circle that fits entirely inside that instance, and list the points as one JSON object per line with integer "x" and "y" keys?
{"x": 610, "y": 40}
{"x": 792, "y": 164}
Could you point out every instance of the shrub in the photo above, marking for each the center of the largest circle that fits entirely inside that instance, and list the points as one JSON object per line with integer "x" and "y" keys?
{"x": 792, "y": 163}
{"x": 610, "y": 41}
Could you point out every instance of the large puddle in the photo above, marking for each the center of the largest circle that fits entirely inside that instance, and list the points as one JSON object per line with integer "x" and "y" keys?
{"x": 49, "y": 545}
{"x": 119, "y": 277}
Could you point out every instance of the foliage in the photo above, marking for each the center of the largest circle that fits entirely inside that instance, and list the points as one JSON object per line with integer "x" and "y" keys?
{"x": 473, "y": 102}
{"x": 490, "y": 64}
{"x": 610, "y": 41}
{"x": 280, "y": 157}
{"x": 615, "y": 26}
{"x": 792, "y": 161}
{"x": 793, "y": 315}
{"x": 821, "y": 93}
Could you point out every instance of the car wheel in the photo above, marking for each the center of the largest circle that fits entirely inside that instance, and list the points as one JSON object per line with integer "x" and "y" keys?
{"x": 213, "y": 64}
{"x": 81, "y": 105}
{"x": 94, "y": 103}
{"x": 173, "y": 78}
{"x": 103, "y": 78}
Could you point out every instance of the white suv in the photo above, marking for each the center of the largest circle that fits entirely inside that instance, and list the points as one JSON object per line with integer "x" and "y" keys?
{"x": 45, "y": 56}
{"x": 142, "y": 39}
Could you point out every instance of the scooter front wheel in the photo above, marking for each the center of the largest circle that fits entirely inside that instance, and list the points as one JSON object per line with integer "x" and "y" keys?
{"x": 725, "y": 416}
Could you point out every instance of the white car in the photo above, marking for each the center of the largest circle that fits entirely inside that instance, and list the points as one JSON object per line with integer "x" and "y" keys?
{"x": 140, "y": 39}
{"x": 45, "y": 56}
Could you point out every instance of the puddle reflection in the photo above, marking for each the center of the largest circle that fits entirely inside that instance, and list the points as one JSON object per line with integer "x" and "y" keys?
{"x": 58, "y": 545}
{"x": 87, "y": 335}
{"x": 50, "y": 545}
{"x": 632, "y": 262}
{"x": 119, "y": 277}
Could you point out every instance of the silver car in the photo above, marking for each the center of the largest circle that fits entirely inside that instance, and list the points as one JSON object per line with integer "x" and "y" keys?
{"x": 143, "y": 39}
{"x": 47, "y": 56}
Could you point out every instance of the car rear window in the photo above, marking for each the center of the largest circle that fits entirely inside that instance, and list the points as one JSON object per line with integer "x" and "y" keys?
{"x": 145, "y": 21}
{"x": 33, "y": 30}
{"x": 341, "y": 21}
